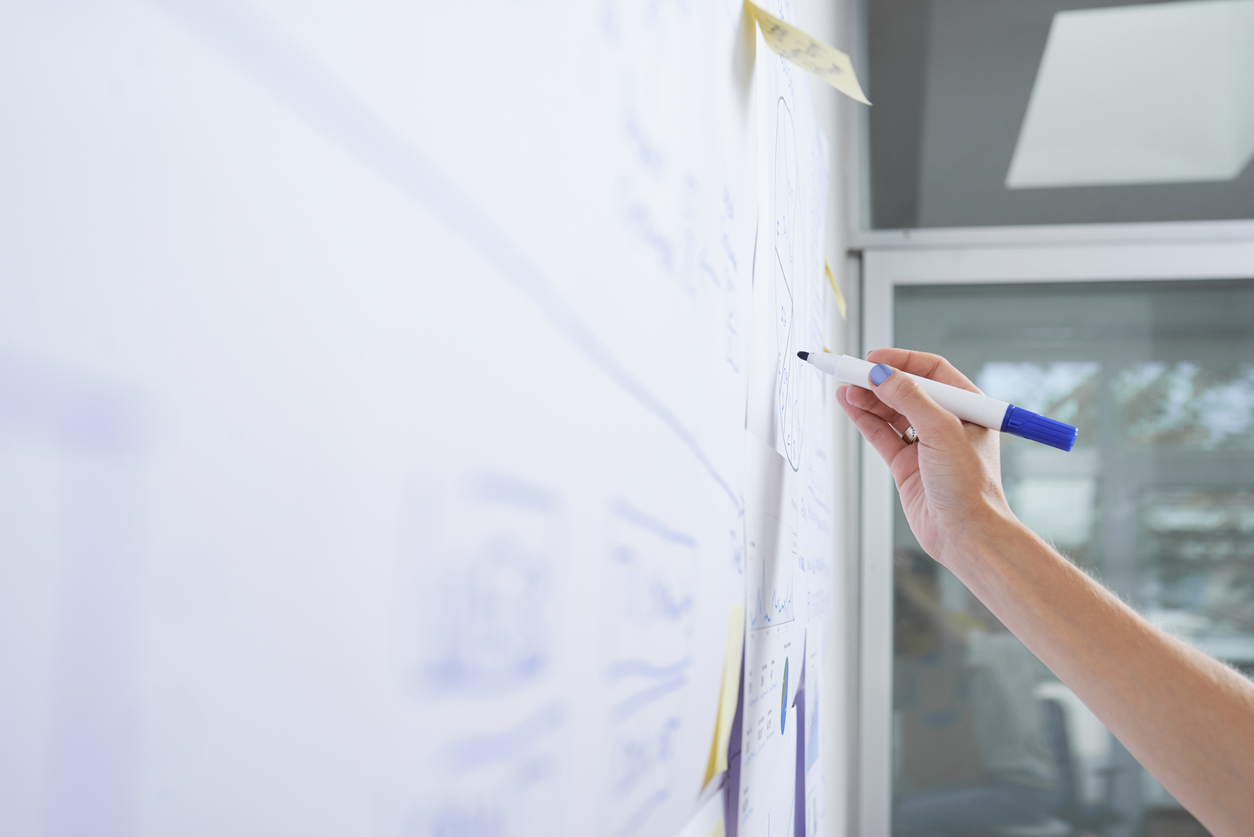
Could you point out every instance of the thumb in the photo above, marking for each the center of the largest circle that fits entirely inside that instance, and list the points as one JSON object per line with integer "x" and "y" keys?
{"x": 901, "y": 392}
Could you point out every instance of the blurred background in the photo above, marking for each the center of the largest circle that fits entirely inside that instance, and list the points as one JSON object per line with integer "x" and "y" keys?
{"x": 1156, "y": 500}
{"x": 1020, "y": 155}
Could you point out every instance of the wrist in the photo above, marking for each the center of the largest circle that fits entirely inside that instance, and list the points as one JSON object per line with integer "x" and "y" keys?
{"x": 986, "y": 532}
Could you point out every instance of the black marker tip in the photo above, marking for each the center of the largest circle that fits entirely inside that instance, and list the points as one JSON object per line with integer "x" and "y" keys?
{"x": 803, "y": 355}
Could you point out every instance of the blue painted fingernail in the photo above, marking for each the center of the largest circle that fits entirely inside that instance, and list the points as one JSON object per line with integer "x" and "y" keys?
{"x": 879, "y": 373}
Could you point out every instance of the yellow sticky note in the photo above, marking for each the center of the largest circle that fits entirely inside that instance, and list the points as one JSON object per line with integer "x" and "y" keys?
{"x": 828, "y": 63}
{"x": 840, "y": 298}
{"x": 727, "y": 694}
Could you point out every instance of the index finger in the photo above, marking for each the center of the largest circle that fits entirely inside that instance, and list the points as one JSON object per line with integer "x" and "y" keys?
{"x": 924, "y": 365}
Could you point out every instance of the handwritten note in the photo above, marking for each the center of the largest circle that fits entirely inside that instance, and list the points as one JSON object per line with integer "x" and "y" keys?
{"x": 728, "y": 693}
{"x": 828, "y": 63}
{"x": 840, "y": 298}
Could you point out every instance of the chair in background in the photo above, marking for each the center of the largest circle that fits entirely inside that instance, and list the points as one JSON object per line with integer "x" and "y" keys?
{"x": 1074, "y": 816}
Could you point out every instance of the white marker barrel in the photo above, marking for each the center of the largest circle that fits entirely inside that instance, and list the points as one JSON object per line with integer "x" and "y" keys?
{"x": 966, "y": 405}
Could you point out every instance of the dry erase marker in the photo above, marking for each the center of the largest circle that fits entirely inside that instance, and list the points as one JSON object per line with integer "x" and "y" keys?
{"x": 966, "y": 405}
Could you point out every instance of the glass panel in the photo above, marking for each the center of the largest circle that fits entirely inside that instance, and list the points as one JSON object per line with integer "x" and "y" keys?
{"x": 995, "y": 112}
{"x": 1157, "y": 500}
{"x": 1188, "y": 404}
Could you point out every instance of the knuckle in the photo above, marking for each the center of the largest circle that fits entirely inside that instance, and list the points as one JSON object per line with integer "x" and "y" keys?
{"x": 909, "y": 388}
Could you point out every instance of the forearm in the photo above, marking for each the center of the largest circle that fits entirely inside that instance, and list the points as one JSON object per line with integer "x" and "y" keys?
{"x": 1187, "y": 718}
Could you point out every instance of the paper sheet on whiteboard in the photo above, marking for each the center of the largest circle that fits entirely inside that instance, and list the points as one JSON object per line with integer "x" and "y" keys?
{"x": 789, "y": 281}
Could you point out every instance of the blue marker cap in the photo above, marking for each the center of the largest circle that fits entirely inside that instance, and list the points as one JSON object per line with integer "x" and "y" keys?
{"x": 1047, "y": 431}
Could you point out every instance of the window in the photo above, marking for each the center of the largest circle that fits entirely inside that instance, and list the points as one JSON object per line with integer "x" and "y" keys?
{"x": 1157, "y": 500}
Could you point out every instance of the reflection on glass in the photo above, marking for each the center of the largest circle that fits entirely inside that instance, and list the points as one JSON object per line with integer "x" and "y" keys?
{"x": 1157, "y": 500}
{"x": 977, "y": 746}
{"x": 1197, "y": 548}
{"x": 1055, "y": 495}
{"x": 1066, "y": 390}
{"x": 1188, "y": 403}
{"x": 1059, "y": 509}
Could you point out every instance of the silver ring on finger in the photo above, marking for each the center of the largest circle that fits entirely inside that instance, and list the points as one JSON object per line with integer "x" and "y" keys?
{"x": 909, "y": 436}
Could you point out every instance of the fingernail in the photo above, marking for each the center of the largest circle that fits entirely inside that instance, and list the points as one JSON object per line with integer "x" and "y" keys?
{"x": 879, "y": 373}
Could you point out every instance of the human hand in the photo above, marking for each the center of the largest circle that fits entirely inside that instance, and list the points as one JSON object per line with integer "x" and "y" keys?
{"x": 950, "y": 480}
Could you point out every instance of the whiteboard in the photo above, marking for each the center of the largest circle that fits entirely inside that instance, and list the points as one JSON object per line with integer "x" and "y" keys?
{"x": 395, "y": 401}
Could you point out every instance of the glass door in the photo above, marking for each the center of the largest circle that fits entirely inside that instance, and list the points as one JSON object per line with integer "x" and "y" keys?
{"x": 1156, "y": 500}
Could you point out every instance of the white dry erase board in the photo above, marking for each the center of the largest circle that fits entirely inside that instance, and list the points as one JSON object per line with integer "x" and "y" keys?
{"x": 400, "y": 425}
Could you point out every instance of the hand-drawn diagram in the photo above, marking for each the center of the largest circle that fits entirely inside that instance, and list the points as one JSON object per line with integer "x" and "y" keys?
{"x": 771, "y": 588}
{"x": 477, "y": 578}
{"x": 788, "y": 288}
{"x": 664, "y": 199}
{"x": 481, "y": 627}
{"x": 650, "y": 585}
{"x": 725, "y": 279}
{"x": 770, "y": 742}
{"x": 500, "y": 783}
{"x": 773, "y": 545}
{"x": 782, "y": 292}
